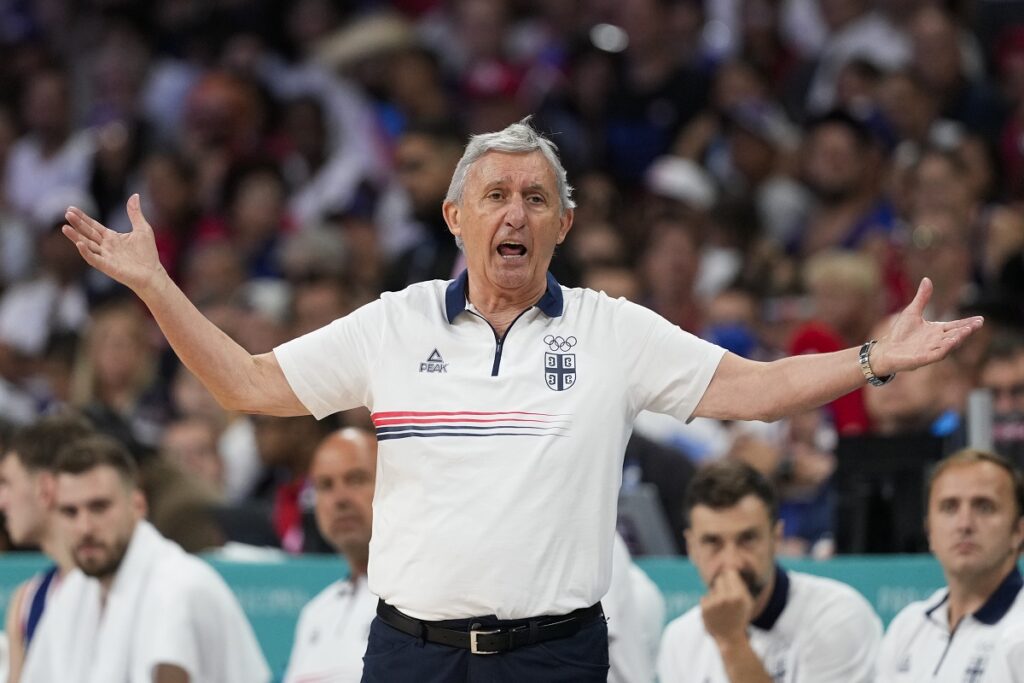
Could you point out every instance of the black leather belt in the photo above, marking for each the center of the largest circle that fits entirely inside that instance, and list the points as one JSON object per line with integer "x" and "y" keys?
{"x": 491, "y": 639}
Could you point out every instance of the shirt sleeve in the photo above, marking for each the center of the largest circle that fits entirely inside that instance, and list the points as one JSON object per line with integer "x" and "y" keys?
{"x": 201, "y": 628}
{"x": 668, "y": 369}
{"x": 843, "y": 645}
{"x": 328, "y": 369}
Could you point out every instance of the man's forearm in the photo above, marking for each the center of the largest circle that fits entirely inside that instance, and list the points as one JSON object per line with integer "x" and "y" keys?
{"x": 741, "y": 662}
{"x": 237, "y": 379}
{"x": 749, "y": 390}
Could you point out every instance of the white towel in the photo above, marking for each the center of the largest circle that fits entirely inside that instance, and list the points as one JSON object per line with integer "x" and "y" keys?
{"x": 164, "y": 607}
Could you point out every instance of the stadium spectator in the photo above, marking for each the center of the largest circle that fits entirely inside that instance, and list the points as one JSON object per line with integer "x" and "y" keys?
{"x": 425, "y": 159}
{"x": 191, "y": 444}
{"x": 28, "y": 501}
{"x": 137, "y": 607}
{"x": 975, "y": 524}
{"x": 331, "y": 634}
{"x": 53, "y": 154}
{"x": 758, "y": 622}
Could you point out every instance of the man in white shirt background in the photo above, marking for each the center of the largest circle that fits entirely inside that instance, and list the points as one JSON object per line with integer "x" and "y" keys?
{"x": 973, "y": 629}
{"x": 759, "y": 623}
{"x": 28, "y": 501}
{"x": 138, "y": 609}
{"x": 331, "y": 634}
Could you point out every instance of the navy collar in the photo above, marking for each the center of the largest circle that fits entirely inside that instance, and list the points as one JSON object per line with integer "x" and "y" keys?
{"x": 997, "y": 605}
{"x": 776, "y": 603}
{"x": 455, "y": 297}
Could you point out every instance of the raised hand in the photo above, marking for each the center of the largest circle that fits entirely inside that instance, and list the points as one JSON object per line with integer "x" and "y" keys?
{"x": 913, "y": 341}
{"x": 727, "y": 608}
{"x": 130, "y": 258}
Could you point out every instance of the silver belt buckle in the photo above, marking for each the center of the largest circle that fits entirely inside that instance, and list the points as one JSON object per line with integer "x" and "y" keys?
{"x": 473, "y": 646}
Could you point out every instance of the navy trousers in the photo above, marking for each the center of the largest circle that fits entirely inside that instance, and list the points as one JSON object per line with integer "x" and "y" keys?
{"x": 395, "y": 657}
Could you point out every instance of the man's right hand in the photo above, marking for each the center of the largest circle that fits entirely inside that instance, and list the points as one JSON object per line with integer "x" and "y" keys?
{"x": 130, "y": 258}
{"x": 727, "y": 608}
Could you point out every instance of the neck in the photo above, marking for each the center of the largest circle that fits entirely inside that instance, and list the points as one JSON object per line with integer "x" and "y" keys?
{"x": 968, "y": 593}
{"x": 358, "y": 560}
{"x": 762, "y": 600}
{"x": 501, "y": 307}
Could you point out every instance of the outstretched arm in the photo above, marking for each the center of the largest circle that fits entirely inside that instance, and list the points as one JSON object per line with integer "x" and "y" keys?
{"x": 238, "y": 379}
{"x": 748, "y": 390}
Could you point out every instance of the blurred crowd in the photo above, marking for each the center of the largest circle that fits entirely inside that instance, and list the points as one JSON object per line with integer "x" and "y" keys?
{"x": 773, "y": 175}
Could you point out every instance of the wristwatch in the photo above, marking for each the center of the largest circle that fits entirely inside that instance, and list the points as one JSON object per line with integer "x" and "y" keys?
{"x": 865, "y": 366}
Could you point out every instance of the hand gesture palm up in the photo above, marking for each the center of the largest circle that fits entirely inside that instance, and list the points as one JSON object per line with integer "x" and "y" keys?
{"x": 130, "y": 258}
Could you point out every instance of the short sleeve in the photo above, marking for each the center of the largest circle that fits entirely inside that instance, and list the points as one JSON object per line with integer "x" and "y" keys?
{"x": 843, "y": 645}
{"x": 668, "y": 368}
{"x": 328, "y": 369}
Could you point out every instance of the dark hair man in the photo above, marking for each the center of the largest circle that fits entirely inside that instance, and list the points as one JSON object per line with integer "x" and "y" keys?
{"x": 138, "y": 608}
{"x": 759, "y": 623}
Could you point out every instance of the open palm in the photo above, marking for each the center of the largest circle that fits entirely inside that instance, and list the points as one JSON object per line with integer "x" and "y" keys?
{"x": 913, "y": 341}
{"x": 130, "y": 258}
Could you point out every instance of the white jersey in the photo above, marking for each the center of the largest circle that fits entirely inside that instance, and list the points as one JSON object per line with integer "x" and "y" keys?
{"x": 986, "y": 647}
{"x": 813, "y": 630}
{"x": 330, "y": 638}
{"x": 499, "y": 461}
{"x": 164, "y": 607}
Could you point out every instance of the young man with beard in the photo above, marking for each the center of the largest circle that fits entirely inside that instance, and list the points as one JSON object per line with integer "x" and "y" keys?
{"x": 27, "y": 499}
{"x": 330, "y": 638}
{"x": 973, "y": 629}
{"x": 138, "y": 609}
{"x": 759, "y": 623}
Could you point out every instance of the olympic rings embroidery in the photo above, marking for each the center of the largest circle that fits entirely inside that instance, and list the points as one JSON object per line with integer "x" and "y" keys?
{"x": 559, "y": 344}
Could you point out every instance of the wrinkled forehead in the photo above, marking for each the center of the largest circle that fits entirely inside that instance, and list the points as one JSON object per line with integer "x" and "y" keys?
{"x": 518, "y": 168}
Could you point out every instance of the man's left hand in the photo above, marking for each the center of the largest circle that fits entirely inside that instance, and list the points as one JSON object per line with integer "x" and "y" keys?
{"x": 913, "y": 341}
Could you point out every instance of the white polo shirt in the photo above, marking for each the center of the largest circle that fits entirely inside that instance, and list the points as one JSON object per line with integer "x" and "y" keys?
{"x": 499, "y": 460}
{"x": 330, "y": 638}
{"x": 986, "y": 647}
{"x": 813, "y": 630}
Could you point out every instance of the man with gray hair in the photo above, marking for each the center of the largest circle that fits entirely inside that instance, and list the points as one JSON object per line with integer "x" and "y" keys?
{"x": 502, "y": 403}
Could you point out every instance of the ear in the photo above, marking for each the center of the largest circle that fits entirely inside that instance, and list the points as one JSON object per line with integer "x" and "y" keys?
{"x": 450, "y": 211}
{"x": 1018, "y": 535}
{"x": 46, "y": 487}
{"x": 780, "y": 527}
{"x": 565, "y": 224}
{"x": 139, "y": 506}
{"x": 690, "y": 541}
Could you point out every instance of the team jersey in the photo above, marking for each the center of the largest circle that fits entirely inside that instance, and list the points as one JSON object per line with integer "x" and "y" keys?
{"x": 500, "y": 458}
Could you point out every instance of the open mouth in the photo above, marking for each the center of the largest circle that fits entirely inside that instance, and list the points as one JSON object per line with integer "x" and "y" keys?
{"x": 511, "y": 250}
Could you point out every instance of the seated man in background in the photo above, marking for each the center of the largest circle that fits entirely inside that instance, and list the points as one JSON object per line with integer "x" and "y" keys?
{"x": 27, "y": 499}
{"x": 137, "y": 609}
{"x": 331, "y": 635}
{"x": 759, "y": 623}
{"x": 635, "y": 610}
{"x": 975, "y": 525}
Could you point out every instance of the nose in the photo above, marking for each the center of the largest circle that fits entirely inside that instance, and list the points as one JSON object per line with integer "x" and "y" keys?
{"x": 730, "y": 558}
{"x": 515, "y": 213}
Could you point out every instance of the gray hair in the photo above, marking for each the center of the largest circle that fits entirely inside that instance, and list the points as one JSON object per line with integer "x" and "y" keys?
{"x": 518, "y": 138}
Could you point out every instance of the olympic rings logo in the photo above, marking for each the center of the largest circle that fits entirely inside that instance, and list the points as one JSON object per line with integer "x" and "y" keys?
{"x": 559, "y": 344}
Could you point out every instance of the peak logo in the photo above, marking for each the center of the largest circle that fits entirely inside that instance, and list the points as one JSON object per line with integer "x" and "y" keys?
{"x": 434, "y": 363}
